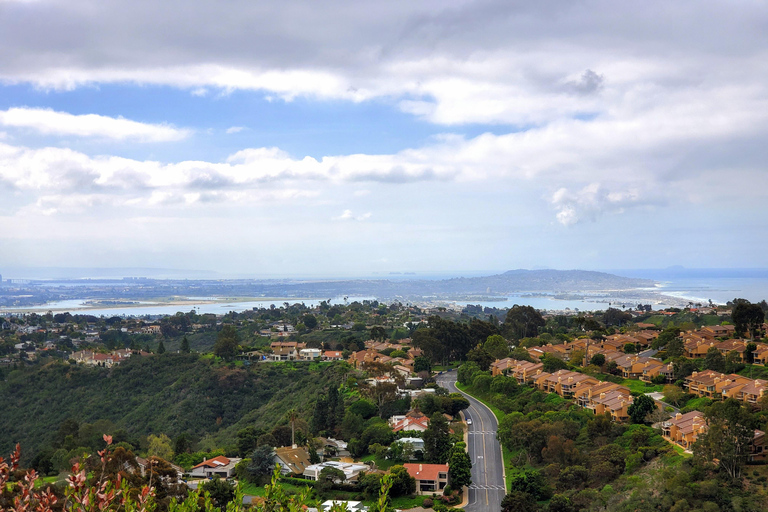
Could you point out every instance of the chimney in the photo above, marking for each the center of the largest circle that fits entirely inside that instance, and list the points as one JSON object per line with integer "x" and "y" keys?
{"x": 602, "y": 395}
{"x": 420, "y": 467}
{"x": 678, "y": 416}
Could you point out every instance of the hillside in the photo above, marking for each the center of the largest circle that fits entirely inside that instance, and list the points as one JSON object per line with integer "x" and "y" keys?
{"x": 169, "y": 393}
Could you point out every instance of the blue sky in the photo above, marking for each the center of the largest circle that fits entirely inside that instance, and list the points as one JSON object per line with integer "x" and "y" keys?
{"x": 294, "y": 138}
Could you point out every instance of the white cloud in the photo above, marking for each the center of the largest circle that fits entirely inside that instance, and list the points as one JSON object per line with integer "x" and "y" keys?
{"x": 348, "y": 215}
{"x": 235, "y": 129}
{"x": 49, "y": 122}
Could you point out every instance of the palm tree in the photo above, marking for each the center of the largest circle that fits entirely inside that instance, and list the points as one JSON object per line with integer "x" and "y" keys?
{"x": 292, "y": 416}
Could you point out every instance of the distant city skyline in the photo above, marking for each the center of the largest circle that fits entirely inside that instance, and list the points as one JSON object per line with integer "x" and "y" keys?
{"x": 329, "y": 139}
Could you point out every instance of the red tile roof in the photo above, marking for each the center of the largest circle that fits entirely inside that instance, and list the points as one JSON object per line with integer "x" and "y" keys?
{"x": 426, "y": 471}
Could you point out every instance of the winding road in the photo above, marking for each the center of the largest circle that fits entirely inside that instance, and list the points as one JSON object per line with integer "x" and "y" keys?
{"x": 488, "y": 488}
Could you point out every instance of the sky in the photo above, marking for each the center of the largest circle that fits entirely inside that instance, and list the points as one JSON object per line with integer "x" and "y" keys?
{"x": 282, "y": 138}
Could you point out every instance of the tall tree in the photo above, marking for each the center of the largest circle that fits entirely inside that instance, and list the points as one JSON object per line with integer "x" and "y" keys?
{"x": 184, "y": 346}
{"x": 292, "y": 416}
{"x": 747, "y": 317}
{"x": 160, "y": 347}
{"x": 459, "y": 466}
{"x": 262, "y": 463}
{"x": 640, "y": 407}
{"x": 227, "y": 343}
{"x": 437, "y": 440}
{"x": 497, "y": 346}
{"x": 727, "y": 439}
{"x": 522, "y": 322}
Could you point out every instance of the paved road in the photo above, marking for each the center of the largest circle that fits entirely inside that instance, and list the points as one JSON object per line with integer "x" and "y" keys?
{"x": 487, "y": 489}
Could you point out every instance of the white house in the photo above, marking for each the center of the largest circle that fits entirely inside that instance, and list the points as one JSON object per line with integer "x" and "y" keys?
{"x": 350, "y": 469}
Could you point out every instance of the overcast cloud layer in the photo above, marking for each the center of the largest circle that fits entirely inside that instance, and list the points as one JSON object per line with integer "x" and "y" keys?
{"x": 564, "y": 134}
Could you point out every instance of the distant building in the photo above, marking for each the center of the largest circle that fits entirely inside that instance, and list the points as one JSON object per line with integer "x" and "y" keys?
{"x": 218, "y": 466}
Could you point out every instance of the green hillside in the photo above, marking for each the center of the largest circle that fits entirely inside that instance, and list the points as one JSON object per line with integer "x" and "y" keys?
{"x": 169, "y": 393}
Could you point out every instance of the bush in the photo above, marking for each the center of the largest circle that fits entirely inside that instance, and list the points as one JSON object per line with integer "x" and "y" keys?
{"x": 427, "y": 503}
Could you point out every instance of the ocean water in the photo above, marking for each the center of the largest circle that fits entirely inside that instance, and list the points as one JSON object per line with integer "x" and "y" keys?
{"x": 719, "y": 289}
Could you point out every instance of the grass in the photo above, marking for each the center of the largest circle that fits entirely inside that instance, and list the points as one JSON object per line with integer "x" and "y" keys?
{"x": 680, "y": 451}
{"x": 406, "y": 502}
{"x": 754, "y": 371}
{"x": 381, "y": 463}
{"x": 259, "y": 490}
{"x": 638, "y": 386}
{"x": 505, "y": 454}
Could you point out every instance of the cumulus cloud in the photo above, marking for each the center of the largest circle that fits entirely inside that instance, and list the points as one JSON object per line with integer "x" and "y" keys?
{"x": 235, "y": 129}
{"x": 574, "y": 206}
{"x": 50, "y": 122}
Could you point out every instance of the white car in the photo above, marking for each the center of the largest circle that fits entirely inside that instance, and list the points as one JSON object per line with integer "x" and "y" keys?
{"x": 469, "y": 421}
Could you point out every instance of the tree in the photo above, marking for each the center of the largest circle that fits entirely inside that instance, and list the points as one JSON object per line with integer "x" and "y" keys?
{"x": 292, "y": 416}
{"x": 597, "y": 360}
{"x": 184, "y": 346}
{"x": 309, "y": 321}
{"x": 714, "y": 360}
{"x": 403, "y": 484}
{"x": 482, "y": 357}
{"x": 640, "y": 407}
{"x": 378, "y": 333}
{"x": 459, "y": 467}
{"x": 227, "y": 343}
{"x": 675, "y": 347}
{"x": 160, "y": 347}
{"x": 352, "y": 425}
{"x": 727, "y": 439}
{"x": 531, "y": 482}
{"x": 522, "y": 322}
{"x": 160, "y": 446}
{"x": 437, "y": 440}
{"x": 421, "y": 364}
{"x": 329, "y": 476}
{"x": 497, "y": 346}
{"x": 262, "y": 463}
{"x": 613, "y": 316}
{"x": 747, "y": 317}
{"x": 365, "y": 408}
{"x": 466, "y": 372}
{"x": 221, "y": 491}
{"x": 673, "y": 395}
{"x": 553, "y": 363}
{"x": 517, "y": 501}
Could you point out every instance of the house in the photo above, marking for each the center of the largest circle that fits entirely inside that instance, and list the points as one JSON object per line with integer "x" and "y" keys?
{"x": 757, "y": 451}
{"x": 420, "y": 424}
{"x": 684, "y": 429}
{"x": 218, "y": 466}
{"x": 310, "y": 354}
{"x": 292, "y": 461}
{"x": 416, "y": 442}
{"x": 332, "y": 355}
{"x": 351, "y": 506}
{"x": 710, "y": 383}
{"x": 760, "y": 355}
{"x": 652, "y": 371}
{"x": 502, "y": 366}
{"x": 525, "y": 372}
{"x": 430, "y": 478}
{"x": 563, "y": 382}
{"x": 351, "y": 470}
{"x": 285, "y": 350}
{"x": 616, "y": 403}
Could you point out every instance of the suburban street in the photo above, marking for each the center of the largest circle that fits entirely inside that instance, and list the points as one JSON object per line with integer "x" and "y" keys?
{"x": 488, "y": 488}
